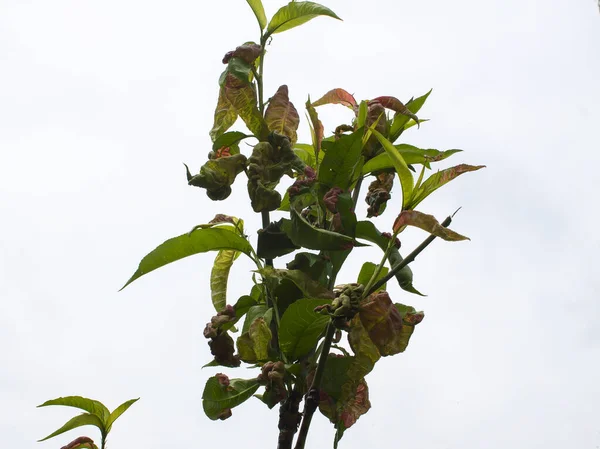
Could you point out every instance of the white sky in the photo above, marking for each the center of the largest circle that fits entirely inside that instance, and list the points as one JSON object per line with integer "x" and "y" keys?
{"x": 101, "y": 102}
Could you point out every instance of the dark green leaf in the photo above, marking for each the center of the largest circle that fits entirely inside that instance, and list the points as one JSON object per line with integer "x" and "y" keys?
{"x": 85, "y": 419}
{"x": 316, "y": 266}
{"x": 118, "y": 412}
{"x": 367, "y": 271}
{"x": 218, "y": 399}
{"x": 342, "y": 163}
{"x": 437, "y": 180}
{"x": 199, "y": 241}
{"x": 301, "y": 327}
{"x": 89, "y": 405}
{"x": 281, "y": 115}
{"x": 296, "y": 13}
{"x": 259, "y": 12}
{"x": 228, "y": 139}
{"x": 273, "y": 242}
{"x": 302, "y": 233}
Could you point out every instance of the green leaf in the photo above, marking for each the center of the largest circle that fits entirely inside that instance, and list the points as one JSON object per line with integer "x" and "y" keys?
{"x": 301, "y": 327}
{"x": 242, "y": 97}
{"x": 427, "y": 223}
{"x": 199, "y": 241}
{"x": 410, "y": 154}
{"x": 85, "y": 419}
{"x": 296, "y": 13}
{"x": 274, "y": 242}
{"x": 303, "y": 234}
{"x": 316, "y": 130}
{"x": 281, "y": 115}
{"x": 406, "y": 178}
{"x": 218, "y": 399}
{"x": 89, "y": 405}
{"x": 254, "y": 312}
{"x": 243, "y": 305}
{"x": 305, "y": 153}
{"x": 253, "y": 345}
{"x": 259, "y": 12}
{"x": 219, "y": 276}
{"x": 342, "y": 163}
{"x": 437, "y": 180}
{"x": 400, "y": 121}
{"x": 228, "y": 139}
{"x": 361, "y": 117}
{"x": 118, "y": 412}
{"x": 225, "y": 116}
{"x": 366, "y": 230}
{"x": 308, "y": 286}
{"x": 367, "y": 271}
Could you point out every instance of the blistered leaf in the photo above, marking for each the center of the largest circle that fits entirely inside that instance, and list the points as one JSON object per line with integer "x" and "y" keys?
{"x": 259, "y": 12}
{"x": 85, "y": 419}
{"x": 225, "y": 116}
{"x": 281, "y": 115}
{"x": 89, "y": 405}
{"x": 367, "y": 271}
{"x": 217, "y": 175}
{"x": 200, "y": 241}
{"x": 427, "y": 223}
{"x": 247, "y": 53}
{"x": 253, "y": 345}
{"x": 378, "y": 193}
{"x": 342, "y": 163}
{"x": 296, "y": 13}
{"x": 337, "y": 96}
{"x": 116, "y": 413}
{"x": 437, "y": 180}
{"x": 301, "y": 327}
{"x": 242, "y": 97}
{"x": 406, "y": 178}
{"x": 220, "y": 396}
{"x": 308, "y": 286}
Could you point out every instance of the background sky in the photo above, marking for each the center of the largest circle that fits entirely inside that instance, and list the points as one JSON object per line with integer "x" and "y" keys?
{"x": 101, "y": 102}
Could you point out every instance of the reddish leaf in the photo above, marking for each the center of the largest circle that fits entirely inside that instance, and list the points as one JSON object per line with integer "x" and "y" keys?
{"x": 281, "y": 115}
{"x": 427, "y": 223}
{"x": 247, "y": 53}
{"x": 337, "y": 96}
{"x": 242, "y": 97}
{"x": 382, "y": 321}
{"x": 395, "y": 105}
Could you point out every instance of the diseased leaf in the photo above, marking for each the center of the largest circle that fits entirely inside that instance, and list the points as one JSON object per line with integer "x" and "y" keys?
{"x": 296, "y": 13}
{"x": 85, "y": 419}
{"x": 342, "y": 163}
{"x": 242, "y": 97}
{"x": 406, "y": 178}
{"x": 89, "y": 405}
{"x": 301, "y": 327}
{"x": 281, "y": 115}
{"x": 247, "y": 53}
{"x": 225, "y": 116}
{"x": 400, "y": 122}
{"x": 217, "y": 175}
{"x": 366, "y": 230}
{"x": 116, "y": 413}
{"x": 221, "y": 394}
{"x": 427, "y": 223}
{"x": 317, "y": 130}
{"x": 238, "y": 69}
{"x": 259, "y": 12}
{"x": 219, "y": 276}
{"x": 254, "y": 312}
{"x": 253, "y": 345}
{"x": 308, "y": 286}
{"x": 437, "y": 180}
{"x": 81, "y": 443}
{"x": 367, "y": 271}
{"x": 395, "y": 105}
{"x": 410, "y": 154}
{"x": 228, "y": 139}
{"x": 199, "y": 241}
{"x": 337, "y": 96}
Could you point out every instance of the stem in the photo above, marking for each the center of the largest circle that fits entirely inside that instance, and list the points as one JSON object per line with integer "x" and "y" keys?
{"x": 312, "y": 399}
{"x": 356, "y": 191}
{"x": 377, "y": 270}
{"x": 289, "y": 419}
{"x": 412, "y": 256}
{"x": 259, "y": 77}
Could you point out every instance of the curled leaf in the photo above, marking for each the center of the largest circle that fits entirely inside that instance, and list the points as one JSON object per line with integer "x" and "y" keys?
{"x": 281, "y": 115}
{"x": 379, "y": 194}
{"x": 395, "y": 105}
{"x": 248, "y": 53}
{"x": 225, "y": 116}
{"x": 220, "y": 397}
{"x": 337, "y": 96}
{"x": 427, "y": 223}
{"x": 217, "y": 175}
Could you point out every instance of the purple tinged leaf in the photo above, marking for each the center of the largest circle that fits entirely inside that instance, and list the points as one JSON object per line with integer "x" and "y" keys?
{"x": 427, "y": 223}
{"x": 281, "y": 115}
{"x": 248, "y": 53}
{"x": 337, "y": 96}
{"x": 395, "y": 105}
{"x": 80, "y": 443}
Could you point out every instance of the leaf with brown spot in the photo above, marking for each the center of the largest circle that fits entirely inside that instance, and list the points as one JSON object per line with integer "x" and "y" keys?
{"x": 281, "y": 115}
{"x": 427, "y": 223}
{"x": 337, "y": 96}
{"x": 437, "y": 180}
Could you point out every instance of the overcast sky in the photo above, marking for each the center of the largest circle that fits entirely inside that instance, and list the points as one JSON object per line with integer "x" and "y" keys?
{"x": 101, "y": 102}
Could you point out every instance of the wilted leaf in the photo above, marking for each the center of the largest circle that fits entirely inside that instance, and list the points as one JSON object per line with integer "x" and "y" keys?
{"x": 200, "y": 241}
{"x": 427, "y": 223}
{"x": 437, "y": 180}
{"x": 296, "y": 13}
{"x": 337, "y": 96}
{"x": 221, "y": 395}
{"x": 89, "y": 405}
{"x": 118, "y": 412}
{"x": 85, "y": 419}
{"x": 254, "y": 312}
{"x": 247, "y": 54}
{"x": 253, "y": 345}
{"x": 301, "y": 327}
{"x": 225, "y": 116}
{"x": 259, "y": 12}
{"x": 406, "y": 178}
{"x": 281, "y": 115}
